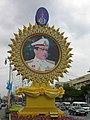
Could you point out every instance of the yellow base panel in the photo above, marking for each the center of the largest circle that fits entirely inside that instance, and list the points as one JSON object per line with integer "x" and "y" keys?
{"x": 41, "y": 104}
{"x": 44, "y": 111}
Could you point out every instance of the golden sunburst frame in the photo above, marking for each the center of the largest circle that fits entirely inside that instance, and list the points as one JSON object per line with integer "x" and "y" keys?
{"x": 21, "y": 66}
{"x": 40, "y": 96}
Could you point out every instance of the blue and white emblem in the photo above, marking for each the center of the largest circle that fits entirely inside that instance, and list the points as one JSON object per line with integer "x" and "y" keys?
{"x": 42, "y": 16}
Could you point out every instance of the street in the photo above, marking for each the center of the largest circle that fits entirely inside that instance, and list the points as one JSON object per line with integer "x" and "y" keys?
{"x": 80, "y": 117}
{"x": 2, "y": 115}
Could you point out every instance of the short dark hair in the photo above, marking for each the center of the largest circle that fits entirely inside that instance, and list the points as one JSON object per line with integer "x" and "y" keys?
{"x": 35, "y": 47}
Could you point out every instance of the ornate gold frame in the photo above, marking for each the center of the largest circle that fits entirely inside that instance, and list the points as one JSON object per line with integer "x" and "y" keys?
{"x": 19, "y": 64}
{"x": 43, "y": 72}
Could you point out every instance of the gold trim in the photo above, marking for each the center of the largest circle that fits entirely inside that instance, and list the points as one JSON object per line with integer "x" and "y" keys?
{"x": 42, "y": 72}
{"x": 19, "y": 63}
{"x": 35, "y": 92}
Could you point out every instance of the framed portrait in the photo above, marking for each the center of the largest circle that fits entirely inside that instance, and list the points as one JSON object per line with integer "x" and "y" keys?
{"x": 40, "y": 53}
{"x": 43, "y": 58}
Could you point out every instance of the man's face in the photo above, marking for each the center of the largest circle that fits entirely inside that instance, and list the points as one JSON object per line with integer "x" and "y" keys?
{"x": 41, "y": 53}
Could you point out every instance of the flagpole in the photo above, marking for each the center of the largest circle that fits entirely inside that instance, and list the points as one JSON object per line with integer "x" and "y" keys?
{"x": 9, "y": 91}
{"x": 9, "y": 82}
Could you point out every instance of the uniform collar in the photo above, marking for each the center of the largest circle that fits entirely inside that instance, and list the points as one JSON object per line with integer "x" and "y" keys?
{"x": 38, "y": 60}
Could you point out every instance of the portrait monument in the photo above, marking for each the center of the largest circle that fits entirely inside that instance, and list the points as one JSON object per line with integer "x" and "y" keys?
{"x": 40, "y": 54}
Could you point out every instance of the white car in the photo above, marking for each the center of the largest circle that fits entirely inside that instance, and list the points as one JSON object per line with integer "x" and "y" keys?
{"x": 77, "y": 110}
{"x": 84, "y": 105}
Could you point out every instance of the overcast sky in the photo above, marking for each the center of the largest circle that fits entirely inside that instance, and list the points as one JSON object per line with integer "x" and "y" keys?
{"x": 71, "y": 16}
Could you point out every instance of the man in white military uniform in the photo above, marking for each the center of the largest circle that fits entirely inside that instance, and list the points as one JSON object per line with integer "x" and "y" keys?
{"x": 41, "y": 50}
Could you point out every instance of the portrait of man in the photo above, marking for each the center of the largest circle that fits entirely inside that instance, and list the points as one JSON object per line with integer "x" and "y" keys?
{"x": 40, "y": 61}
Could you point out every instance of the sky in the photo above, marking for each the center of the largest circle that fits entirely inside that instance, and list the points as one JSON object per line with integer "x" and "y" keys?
{"x": 71, "y": 16}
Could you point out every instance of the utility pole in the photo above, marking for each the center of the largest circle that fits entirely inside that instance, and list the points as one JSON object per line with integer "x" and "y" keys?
{"x": 9, "y": 85}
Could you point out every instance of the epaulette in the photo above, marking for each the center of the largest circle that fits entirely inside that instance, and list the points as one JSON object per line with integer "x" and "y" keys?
{"x": 50, "y": 61}
{"x": 29, "y": 61}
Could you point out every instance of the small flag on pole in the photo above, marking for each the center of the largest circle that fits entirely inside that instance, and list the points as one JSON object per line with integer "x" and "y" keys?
{"x": 9, "y": 85}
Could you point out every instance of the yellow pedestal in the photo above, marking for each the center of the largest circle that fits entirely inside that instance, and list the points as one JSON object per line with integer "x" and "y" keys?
{"x": 40, "y": 105}
{"x": 40, "y": 100}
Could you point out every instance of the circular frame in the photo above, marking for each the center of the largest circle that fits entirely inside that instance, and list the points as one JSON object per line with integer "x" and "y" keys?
{"x": 53, "y": 53}
{"x": 20, "y": 64}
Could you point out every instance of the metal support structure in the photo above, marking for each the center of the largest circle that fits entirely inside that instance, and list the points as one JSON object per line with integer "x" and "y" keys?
{"x": 9, "y": 91}
{"x": 10, "y": 74}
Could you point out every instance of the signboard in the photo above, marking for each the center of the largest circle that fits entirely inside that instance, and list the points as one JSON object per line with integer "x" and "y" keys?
{"x": 42, "y": 16}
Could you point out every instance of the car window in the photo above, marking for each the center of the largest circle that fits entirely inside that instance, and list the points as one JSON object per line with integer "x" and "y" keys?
{"x": 74, "y": 104}
{"x": 78, "y": 107}
{"x": 84, "y": 105}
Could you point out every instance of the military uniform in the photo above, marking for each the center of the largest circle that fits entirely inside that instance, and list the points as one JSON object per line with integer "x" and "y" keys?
{"x": 41, "y": 65}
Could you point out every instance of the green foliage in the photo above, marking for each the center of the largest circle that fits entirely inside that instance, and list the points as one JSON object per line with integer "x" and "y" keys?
{"x": 71, "y": 92}
{"x": 7, "y": 110}
{"x": 85, "y": 89}
{"x": 15, "y": 108}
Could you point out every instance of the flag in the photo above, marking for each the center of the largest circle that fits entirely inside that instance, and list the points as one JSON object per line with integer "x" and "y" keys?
{"x": 9, "y": 85}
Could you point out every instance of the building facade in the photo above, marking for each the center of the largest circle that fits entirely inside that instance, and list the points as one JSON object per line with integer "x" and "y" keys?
{"x": 77, "y": 82}
{"x": 80, "y": 81}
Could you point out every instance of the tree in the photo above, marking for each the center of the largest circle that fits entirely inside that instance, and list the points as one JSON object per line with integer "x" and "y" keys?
{"x": 71, "y": 94}
{"x": 86, "y": 92}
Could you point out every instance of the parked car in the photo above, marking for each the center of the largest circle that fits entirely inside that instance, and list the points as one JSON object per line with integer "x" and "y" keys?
{"x": 82, "y": 104}
{"x": 77, "y": 110}
{"x": 3, "y": 105}
{"x": 62, "y": 107}
{"x": 57, "y": 104}
{"x": 66, "y": 104}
